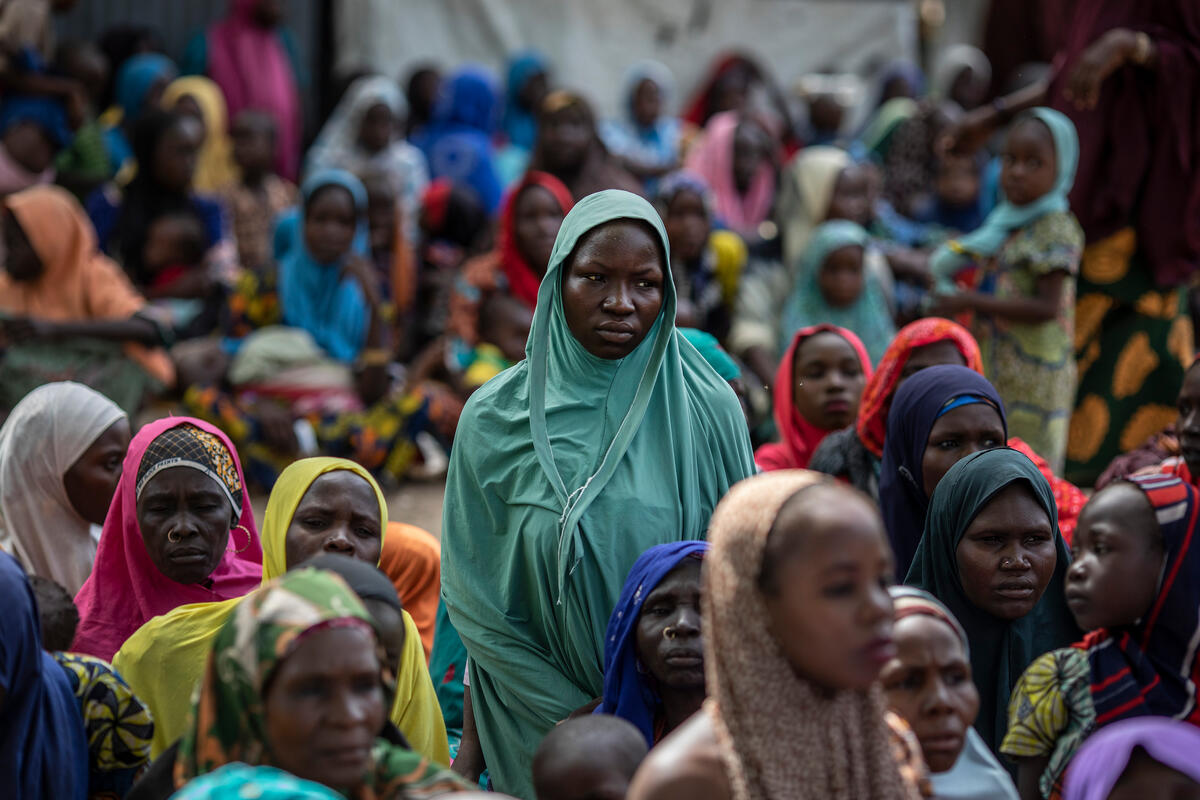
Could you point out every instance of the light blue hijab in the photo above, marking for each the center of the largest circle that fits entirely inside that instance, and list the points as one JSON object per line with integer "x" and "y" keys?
{"x": 1006, "y": 217}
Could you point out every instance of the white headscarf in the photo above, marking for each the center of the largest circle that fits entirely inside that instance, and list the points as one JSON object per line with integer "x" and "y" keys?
{"x": 44, "y": 436}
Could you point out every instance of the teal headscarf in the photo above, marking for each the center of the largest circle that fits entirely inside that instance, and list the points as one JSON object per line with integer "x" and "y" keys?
{"x": 1000, "y": 649}
{"x": 1006, "y": 217}
{"x": 869, "y": 316}
{"x": 565, "y": 469}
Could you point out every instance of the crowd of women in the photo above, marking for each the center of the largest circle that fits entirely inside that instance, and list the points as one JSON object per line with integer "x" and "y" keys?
{"x": 782, "y": 458}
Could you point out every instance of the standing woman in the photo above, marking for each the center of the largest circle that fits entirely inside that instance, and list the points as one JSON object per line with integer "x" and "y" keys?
{"x": 180, "y": 530}
{"x": 611, "y": 417}
{"x": 60, "y": 459}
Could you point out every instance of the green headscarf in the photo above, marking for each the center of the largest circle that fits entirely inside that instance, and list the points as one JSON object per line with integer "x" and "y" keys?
{"x": 566, "y": 468}
{"x": 1000, "y": 649}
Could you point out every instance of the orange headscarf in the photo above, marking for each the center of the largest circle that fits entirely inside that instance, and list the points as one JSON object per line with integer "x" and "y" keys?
{"x": 412, "y": 560}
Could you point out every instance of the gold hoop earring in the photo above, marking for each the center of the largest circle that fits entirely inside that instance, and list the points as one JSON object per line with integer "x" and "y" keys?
{"x": 171, "y": 537}
{"x": 248, "y": 538}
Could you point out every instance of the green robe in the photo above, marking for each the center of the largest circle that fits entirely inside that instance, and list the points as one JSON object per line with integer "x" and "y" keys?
{"x": 565, "y": 468}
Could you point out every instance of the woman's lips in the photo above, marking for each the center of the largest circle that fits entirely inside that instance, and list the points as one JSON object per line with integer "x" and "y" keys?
{"x": 615, "y": 333}
{"x": 1016, "y": 590}
{"x": 881, "y": 650}
{"x": 188, "y": 556}
{"x": 838, "y": 406}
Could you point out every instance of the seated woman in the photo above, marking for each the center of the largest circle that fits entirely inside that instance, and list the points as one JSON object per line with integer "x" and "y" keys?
{"x": 654, "y": 645}
{"x": 412, "y": 558}
{"x": 1137, "y": 758}
{"x": 929, "y": 684}
{"x": 737, "y": 157}
{"x": 817, "y": 390}
{"x": 60, "y": 459}
{"x": 202, "y": 99}
{"x": 853, "y": 454}
{"x": 569, "y": 148}
{"x": 319, "y": 505}
{"x": 1135, "y": 553}
{"x": 256, "y": 702}
{"x": 797, "y": 624}
{"x": 832, "y": 284}
{"x": 180, "y": 530}
{"x": 993, "y": 556}
{"x": 33, "y": 131}
{"x": 646, "y": 138}
{"x": 68, "y": 311}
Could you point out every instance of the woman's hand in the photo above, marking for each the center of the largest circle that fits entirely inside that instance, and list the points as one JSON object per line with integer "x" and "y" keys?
{"x": 1102, "y": 58}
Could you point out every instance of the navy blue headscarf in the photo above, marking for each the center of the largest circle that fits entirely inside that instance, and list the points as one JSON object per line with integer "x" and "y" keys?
{"x": 917, "y": 405}
{"x": 43, "y": 752}
{"x": 629, "y": 692}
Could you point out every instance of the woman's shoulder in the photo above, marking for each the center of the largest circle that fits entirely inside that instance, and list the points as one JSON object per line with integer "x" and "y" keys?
{"x": 686, "y": 765}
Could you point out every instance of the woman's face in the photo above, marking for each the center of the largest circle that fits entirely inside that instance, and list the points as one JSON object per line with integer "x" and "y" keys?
{"x": 829, "y": 381}
{"x": 749, "y": 152}
{"x": 329, "y": 224}
{"x": 175, "y": 156}
{"x": 613, "y": 288}
{"x": 21, "y": 261}
{"x": 190, "y": 107}
{"x": 187, "y": 506}
{"x": 957, "y": 434}
{"x": 840, "y": 278}
{"x": 338, "y": 514}
{"x": 377, "y": 128}
{"x": 669, "y": 640}
{"x": 566, "y": 137}
{"x": 1006, "y": 556}
{"x": 928, "y": 683}
{"x": 1028, "y": 165}
{"x": 324, "y": 707}
{"x": 646, "y": 103}
{"x": 92, "y": 480}
{"x": 537, "y": 216}
{"x": 931, "y": 355}
{"x": 851, "y": 196}
{"x": 688, "y": 225}
{"x": 827, "y": 601}
{"x": 1117, "y": 555}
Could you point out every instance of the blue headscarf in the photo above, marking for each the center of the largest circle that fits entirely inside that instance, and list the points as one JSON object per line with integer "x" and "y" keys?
{"x": 629, "y": 690}
{"x": 130, "y": 88}
{"x": 43, "y": 752}
{"x": 315, "y": 296}
{"x": 457, "y": 143}
{"x": 46, "y": 113}
{"x": 1006, "y": 217}
{"x": 520, "y": 124}
{"x": 917, "y": 405}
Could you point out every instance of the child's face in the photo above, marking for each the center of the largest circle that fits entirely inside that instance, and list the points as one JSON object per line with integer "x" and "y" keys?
{"x": 1189, "y": 419}
{"x": 377, "y": 128}
{"x": 749, "y": 152}
{"x": 851, "y": 196}
{"x": 687, "y": 225}
{"x": 958, "y": 181}
{"x": 329, "y": 223}
{"x": 30, "y": 146}
{"x": 647, "y": 103}
{"x": 1117, "y": 555}
{"x": 537, "y": 216}
{"x": 170, "y": 240}
{"x": 381, "y": 214}
{"x": 513, "y": 332}
{"x": 828, "y": 380}
{"x": 826, "y": 113}
{"x": 1029, "y": 165}
{"x": 175, "y": 158}
{"x": 253, "y": 146}
{"x": 841, "y": 277}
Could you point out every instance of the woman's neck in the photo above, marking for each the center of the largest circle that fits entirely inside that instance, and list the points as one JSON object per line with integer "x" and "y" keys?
{"x": 679, "y": 705}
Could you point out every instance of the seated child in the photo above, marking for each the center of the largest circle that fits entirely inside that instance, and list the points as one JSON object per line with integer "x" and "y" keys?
{"x": 85, "y": 165}
{"x": 180, "y": 283}
{"x": 32, "y": 132}
{"x": 57, "y": 612}
{"x": 592, "y": 757}
{"x": 260, "y": 195}
{"x": 504, "y": 327}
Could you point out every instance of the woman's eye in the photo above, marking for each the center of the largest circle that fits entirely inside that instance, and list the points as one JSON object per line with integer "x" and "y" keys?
{"x": 948, "y": 444}
{"x": 955, "y": 677}
{"x": 314, "y": 522}
{"x": 839, "y": 590}
{"x": 593, "y": 277}
{"x": 647, "y": 284}
{"x": 365, "y": 533}
{"x": 1099, "y": 549}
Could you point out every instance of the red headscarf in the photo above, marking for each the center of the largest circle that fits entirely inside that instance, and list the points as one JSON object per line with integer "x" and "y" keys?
{"x": 798, "y": 438}
{"x": 523, "y": 282}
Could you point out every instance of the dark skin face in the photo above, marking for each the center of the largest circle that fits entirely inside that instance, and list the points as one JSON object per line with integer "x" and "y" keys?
{"x": 831, "y": 612}
{"x": 324, "y": 707}
{"x": 21, "y": 260}
{"x": 92, "y": 479}
{"x": 537, "y": 216}
{"x": 829, "y": 381}
{"x": 1188, "y": 403}
{"x": 929, "y": 684}
{"x": 175, "y": 156}
{"x": 1006, "y": 556}
{"x": 958, "y": 181}
{"x": 749, "y": 152}
{"x": 253, "y": 144}
{"x": 931, "y": 355}
{"x": 841, "y": 278}
{"x": 29, "y": 145}
{"x": 1116, "y": 558}
{"x": 1029, "y": 165}
{"x": 1145, "y": 777}
{"x": 613, "y": 288}
{"x": 957, "y": 434}
{"x": 390, "y": 624}
{"x": 188, "y": 106}
{"x": 851, "y": 196}
{"x": 646, "y": 103}
{"x": 329, "y": 224}
{"x": 268, "y": 13}
{"x": 677, "y": 663}
{"x": 381, "y": 213}
{"x": 377, "y": 128}
{"x": 969, "y": 89}
{"x": 338, "y": 514}
{"x": 533, "y": 91}
{"x": 567, "y": 137}
{"x": 826, "y": 113}
{"x": 189, "y": 505}
{"x": 688, "y": 226}
{"x": 510, "y": 331}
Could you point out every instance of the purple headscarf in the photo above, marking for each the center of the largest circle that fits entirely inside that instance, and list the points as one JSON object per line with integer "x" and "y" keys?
{"x": 1103, "y": 758}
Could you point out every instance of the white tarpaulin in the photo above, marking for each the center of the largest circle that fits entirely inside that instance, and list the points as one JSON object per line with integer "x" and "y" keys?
{"x": 592, "y": 42}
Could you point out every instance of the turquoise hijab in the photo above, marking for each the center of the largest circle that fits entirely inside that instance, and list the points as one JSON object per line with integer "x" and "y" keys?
{"x": 1006, "y": 217}
{"x": 869, "y": 316}
{"x": 565, "y": 469}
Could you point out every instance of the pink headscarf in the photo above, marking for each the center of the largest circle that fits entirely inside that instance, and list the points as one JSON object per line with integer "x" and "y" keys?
{"x": 712, "y": 159}
{"x": 125, "y": 588}
{"x": 253, "y": 69}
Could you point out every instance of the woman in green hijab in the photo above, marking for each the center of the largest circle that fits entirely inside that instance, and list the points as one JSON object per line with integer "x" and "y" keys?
{"x": 993, "y": 554}
{"x": 612, "y": 436}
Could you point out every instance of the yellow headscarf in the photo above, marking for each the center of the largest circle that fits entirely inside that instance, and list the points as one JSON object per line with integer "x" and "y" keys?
{"x": 164, "y": 660}
{"x": 215, "y": 169}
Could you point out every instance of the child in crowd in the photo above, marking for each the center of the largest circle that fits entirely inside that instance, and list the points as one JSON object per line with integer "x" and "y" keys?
{"x": 57, "y": 612}
{"x": 958, "y": 199}
{"x": 504, "y": 327}
{"x": 32, "y": 132}
{"x": 180, "y": 284}
{"x": 1028, "y": 252}
{"x": 593, "y": 757}
{"x": 260, "y": 195}
{"x": 85, "y": 165}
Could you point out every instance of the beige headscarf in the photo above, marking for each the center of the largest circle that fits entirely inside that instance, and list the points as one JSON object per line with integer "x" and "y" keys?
{"x": 780, "y": 737}
{"x": 806, "y": 188}
{"x": 44, "y": 436}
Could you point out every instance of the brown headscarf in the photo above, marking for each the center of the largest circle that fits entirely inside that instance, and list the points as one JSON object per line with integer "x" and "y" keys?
{"x": 780, "y": 736}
